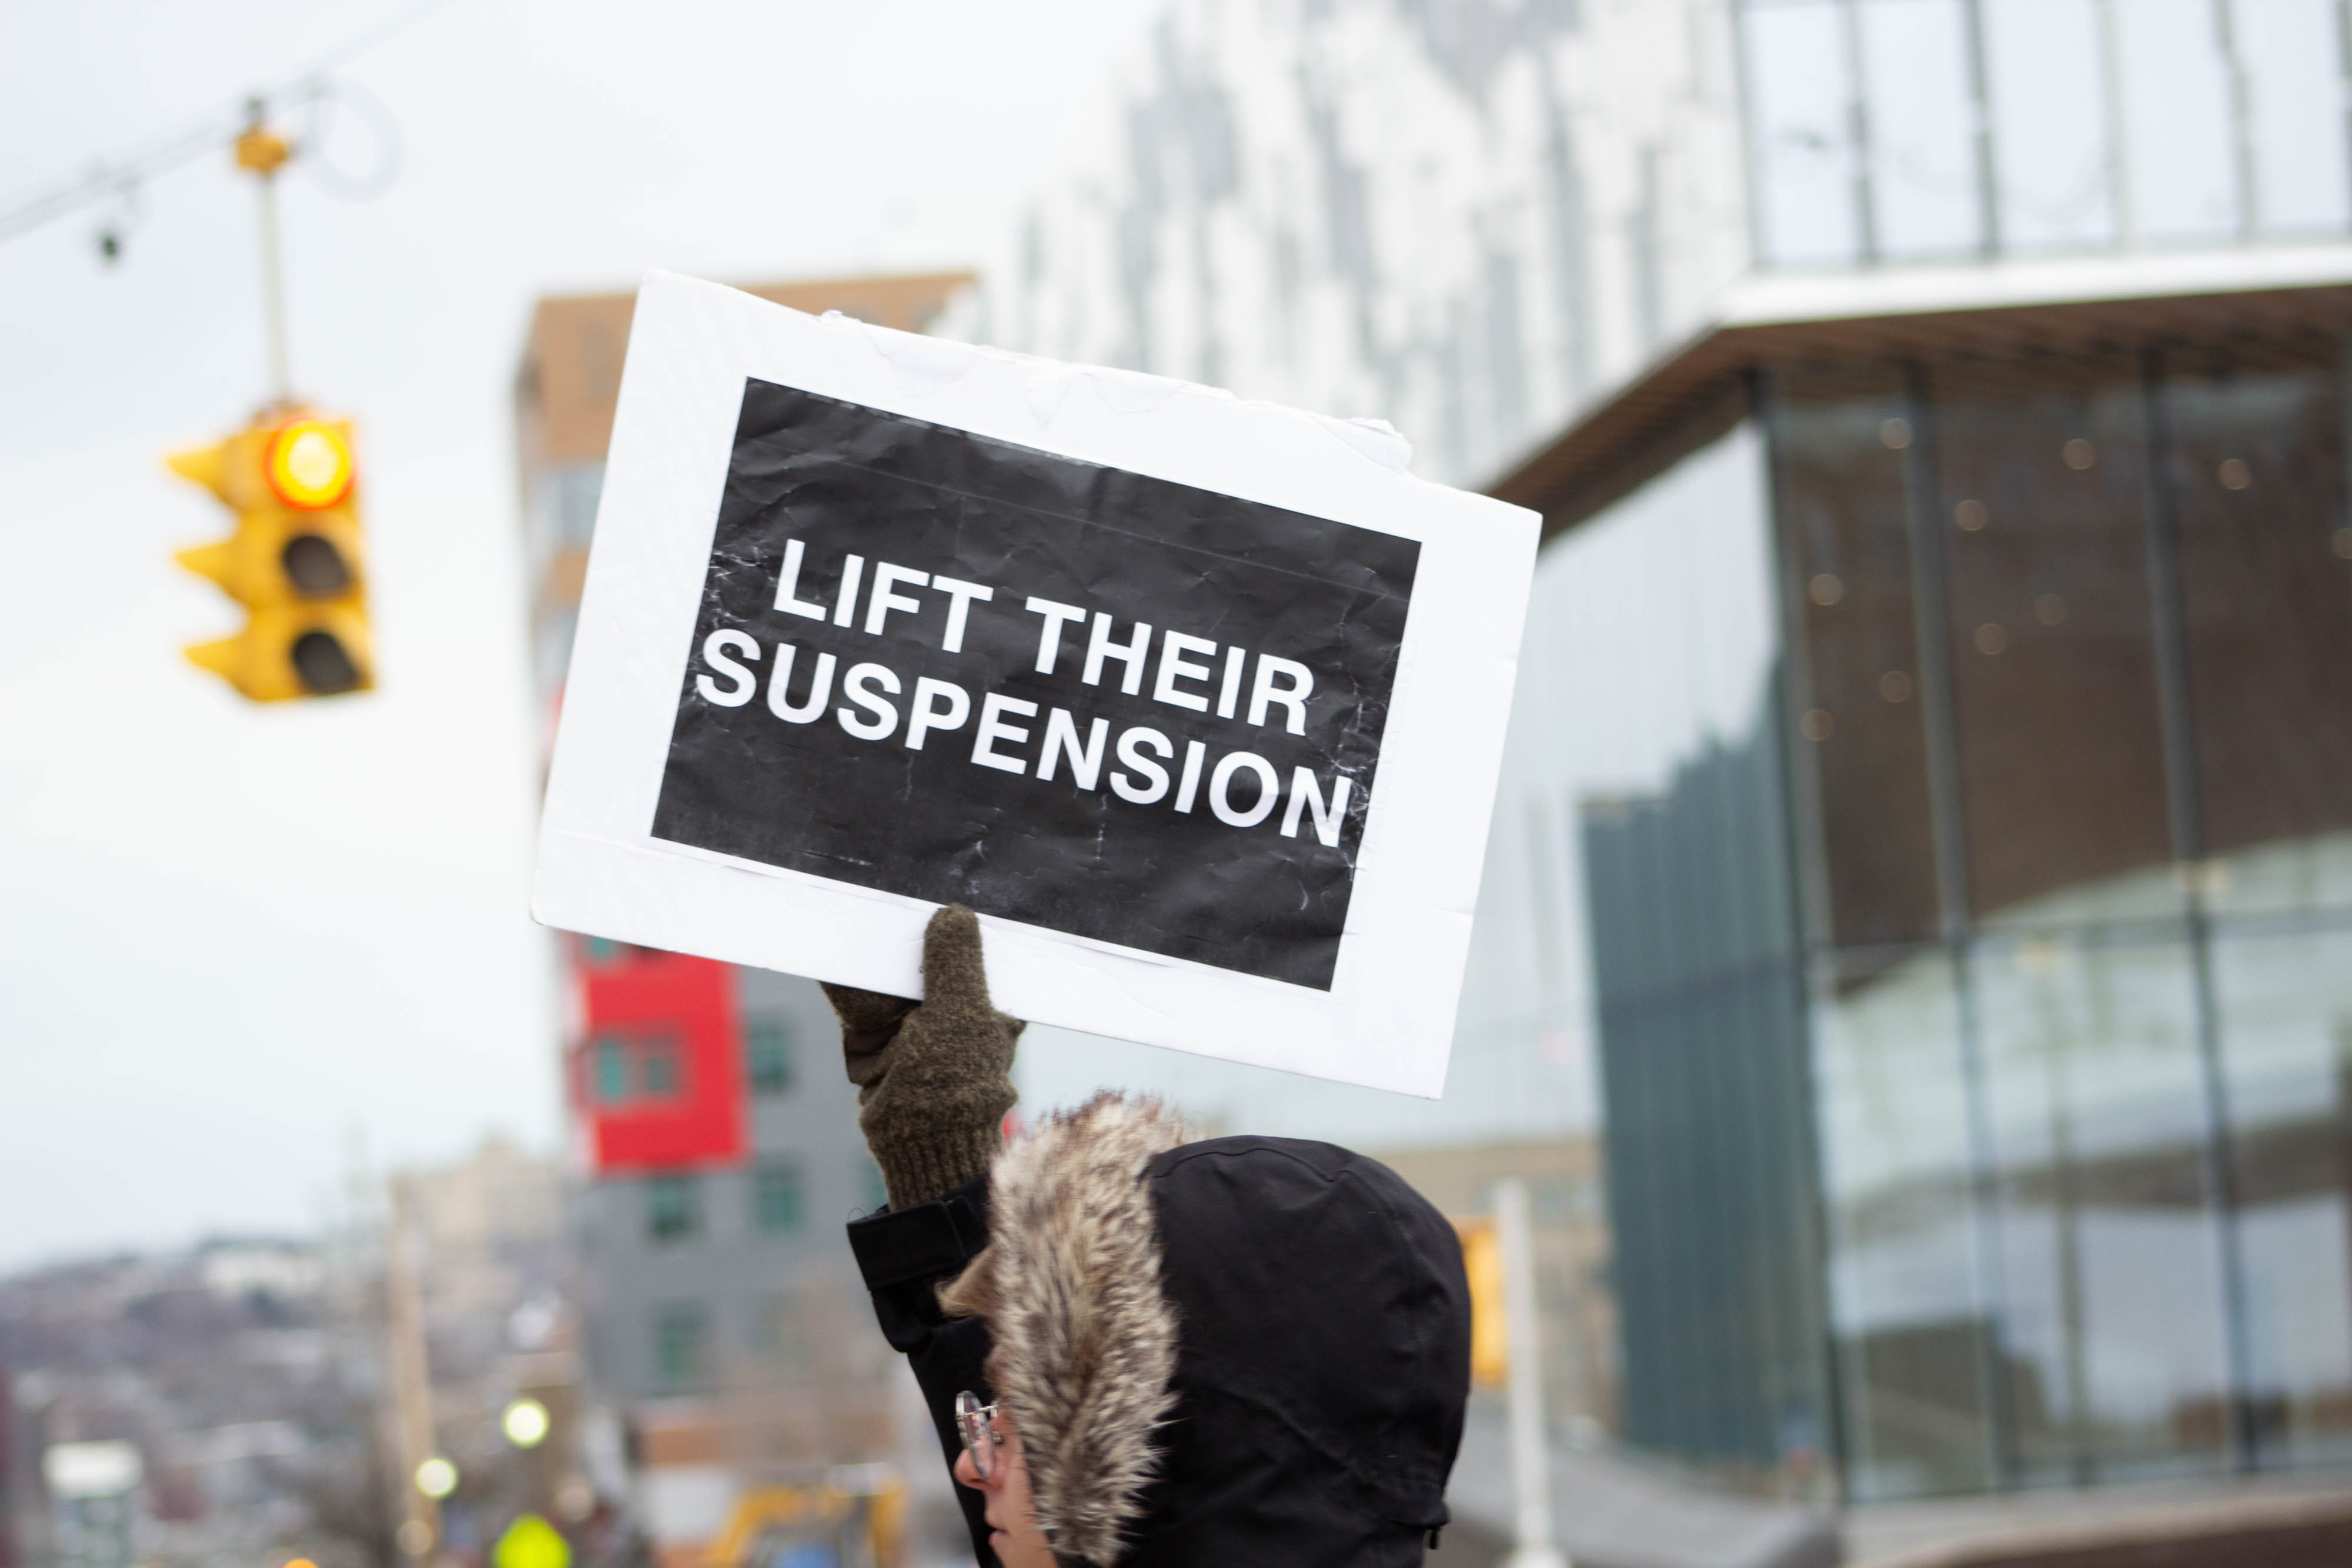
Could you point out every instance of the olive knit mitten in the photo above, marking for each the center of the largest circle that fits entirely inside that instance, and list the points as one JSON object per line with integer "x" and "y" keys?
{"x": 935, "y": 1077}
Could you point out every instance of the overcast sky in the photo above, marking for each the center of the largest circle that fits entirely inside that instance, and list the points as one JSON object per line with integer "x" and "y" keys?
{"x": 243, "y": 947}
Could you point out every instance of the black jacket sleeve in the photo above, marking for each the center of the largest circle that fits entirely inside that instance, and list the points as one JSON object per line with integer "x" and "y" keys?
{"x": 905, "y": 1255}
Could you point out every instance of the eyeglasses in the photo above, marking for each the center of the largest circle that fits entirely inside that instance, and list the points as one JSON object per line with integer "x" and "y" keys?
{"x": 975, "y": 1423}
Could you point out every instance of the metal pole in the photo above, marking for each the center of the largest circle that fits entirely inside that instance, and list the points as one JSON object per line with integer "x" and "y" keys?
{"x": 2111, "y": 87}
{"x": 1530, "y": 1460}
{"x": 261, "y": 152}
{"x": 2176, "y": 712}
{"x": 1753, "y": 154}
{"x": 1809, "y": 900}
{"x": 2241, "y": 122}
{"x": 1857, "y": 130}
{"x": 1923, "y": 505}
{"x": 273, "y": 293}
{"x": 2344, "y": 67}
{"x": 1988, "y": 236}
{"x": 411, "y": 1379}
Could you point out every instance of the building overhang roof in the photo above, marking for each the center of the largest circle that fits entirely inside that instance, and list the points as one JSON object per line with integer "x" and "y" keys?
{"x": 2259, "y": 304}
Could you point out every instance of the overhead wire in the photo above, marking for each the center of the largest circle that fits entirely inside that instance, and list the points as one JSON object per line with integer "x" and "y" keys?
{"x": 318, "y": 132}
{"x": 306, "y": 85}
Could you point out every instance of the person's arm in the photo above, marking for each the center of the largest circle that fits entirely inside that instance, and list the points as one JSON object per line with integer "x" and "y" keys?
{"x": 934, "y": 1082}
{"x": 905, "y": 1255}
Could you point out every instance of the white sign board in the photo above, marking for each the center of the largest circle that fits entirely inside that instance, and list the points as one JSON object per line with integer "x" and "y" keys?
{"x": 1198, "y": 702}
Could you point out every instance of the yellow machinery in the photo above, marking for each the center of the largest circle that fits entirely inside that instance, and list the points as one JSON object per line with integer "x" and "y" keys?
{"x": 853, "y": 1519}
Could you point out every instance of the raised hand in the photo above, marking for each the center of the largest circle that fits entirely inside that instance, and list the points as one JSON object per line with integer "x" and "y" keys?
{"x": 934, "y": 1077}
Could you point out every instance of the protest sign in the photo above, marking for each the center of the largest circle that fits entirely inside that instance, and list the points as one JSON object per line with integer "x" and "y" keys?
{"x": 1199, "y": 703}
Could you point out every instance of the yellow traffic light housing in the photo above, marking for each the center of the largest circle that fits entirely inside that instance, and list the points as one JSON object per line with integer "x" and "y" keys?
{"x": 295, "y": 560}
{"x": 1490, "y": 1335}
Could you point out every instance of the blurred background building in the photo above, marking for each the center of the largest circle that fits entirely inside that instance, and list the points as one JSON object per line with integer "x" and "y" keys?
{"x": 230, "y": 1404}
{"x": 728, "y": 1342}
{"x": 1920, "y": 861}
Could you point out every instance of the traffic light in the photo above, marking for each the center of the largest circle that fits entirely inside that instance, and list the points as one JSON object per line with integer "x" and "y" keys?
{"x": 294, "y": 562}
{"x": 1482, "y": 1259}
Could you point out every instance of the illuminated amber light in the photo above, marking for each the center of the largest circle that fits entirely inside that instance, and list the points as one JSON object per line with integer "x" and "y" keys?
{"x": 309, "y": 465}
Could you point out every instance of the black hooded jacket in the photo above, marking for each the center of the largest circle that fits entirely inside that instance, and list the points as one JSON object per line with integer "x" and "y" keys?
{"x": 1235, "y": 1352}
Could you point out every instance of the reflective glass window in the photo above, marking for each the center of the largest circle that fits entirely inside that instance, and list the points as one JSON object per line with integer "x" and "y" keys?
{"x": 1908, "y": 1299}
{"x": 2176, "y": 118}
{"x": 673, "y": 1207}
{"x": 1679, "y": 854}
{"x": 2113, "y": 1337}
{"x": 1803, "y": 154}
{"x": 1840, "y": 447}
{"x": 578, "y": 487}
{"x": 660, "y": 1071}
{"x": 2285, "y": 1000}
{"x": 2030, "y": 1263}
{"x": 2258, "y": 486}
{"x": 2049, "y": 124}
{"x": 767, "y": 1055}
{"x": 2051, "y": 628}
{"x": 1923, "y": 150}
{"x": 609, "y": 1058}
{"x": 682, "y": 1345}
{"x": 2292, "y": 56}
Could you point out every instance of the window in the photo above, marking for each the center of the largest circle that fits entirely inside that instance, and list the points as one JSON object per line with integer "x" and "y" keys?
{"x": 767, "y": 1055}
{"x": 611, "y": 1065}
{"x": 673, "y": 1207}
{"x": 578, "y": 487}
{"x": 776, "y": 1198}
{"x": 661, "y": 1076}
{"x": 621, "y": 1069}
{"x": 681, "y": 1344}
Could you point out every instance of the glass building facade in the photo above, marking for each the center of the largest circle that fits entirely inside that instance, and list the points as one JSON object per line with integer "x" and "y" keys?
{"x": 1972, "y": 984}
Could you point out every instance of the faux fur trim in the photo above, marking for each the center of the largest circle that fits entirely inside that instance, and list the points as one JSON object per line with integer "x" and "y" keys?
{"x": 1083, "y": 1335}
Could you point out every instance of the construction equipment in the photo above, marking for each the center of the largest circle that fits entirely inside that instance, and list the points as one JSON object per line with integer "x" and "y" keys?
{"x": 851, "y": 1519}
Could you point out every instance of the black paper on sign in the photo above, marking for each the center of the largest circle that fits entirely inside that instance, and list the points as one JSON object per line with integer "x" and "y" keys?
{"x": 806, "y": 793}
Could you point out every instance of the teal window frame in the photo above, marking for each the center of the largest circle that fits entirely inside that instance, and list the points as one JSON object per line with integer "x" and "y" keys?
{"x": 673, "y": 1207}
{"x": 609, "y": 1070}
{"x": 767, "y": 1055}
{"x": 779, "y": 1198}
{"x": 661, "y": 1072}
{"x": 682, "y": 1345}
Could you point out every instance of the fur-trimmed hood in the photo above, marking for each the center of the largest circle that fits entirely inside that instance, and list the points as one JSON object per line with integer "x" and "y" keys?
{"x": 1084, "y": 1340}
{"x": 1234, "y": 1351}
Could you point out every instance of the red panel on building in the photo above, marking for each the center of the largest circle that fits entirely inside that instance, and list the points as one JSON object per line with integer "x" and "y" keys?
{"x": 657, "y": 1074}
